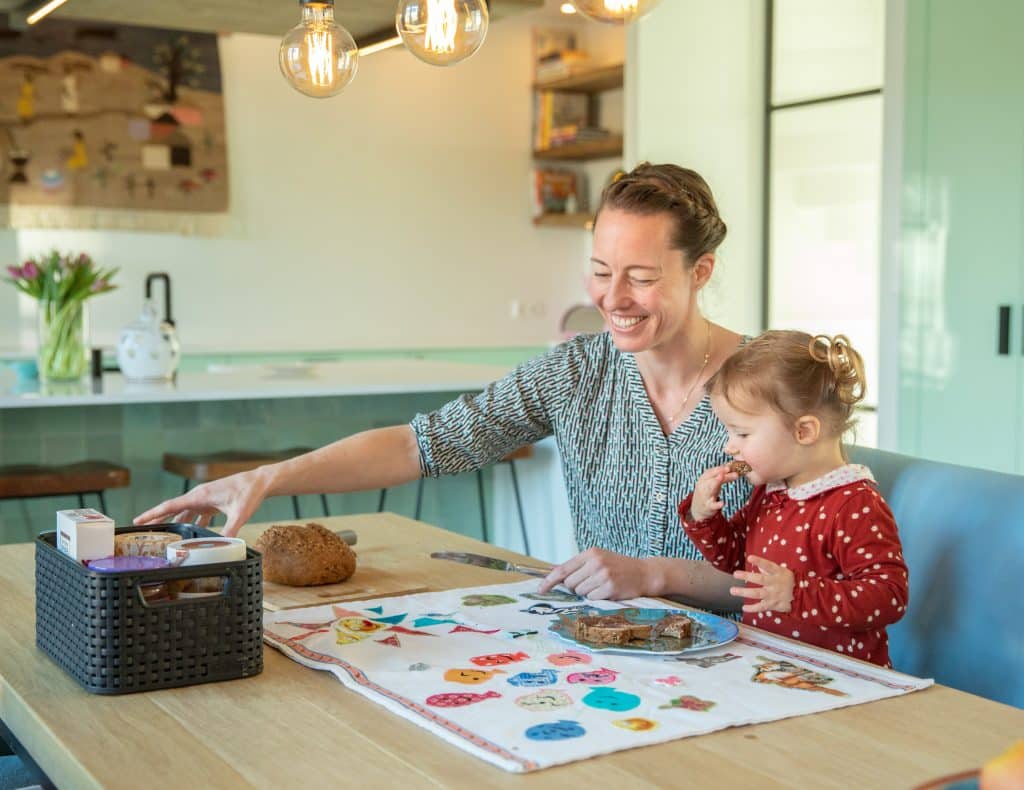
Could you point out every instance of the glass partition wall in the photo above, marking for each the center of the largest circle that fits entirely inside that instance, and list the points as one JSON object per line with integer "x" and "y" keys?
{"x": 823, "y": 138}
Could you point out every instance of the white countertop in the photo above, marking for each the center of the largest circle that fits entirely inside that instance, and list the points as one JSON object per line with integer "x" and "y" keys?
{"x": 248, "y": 382}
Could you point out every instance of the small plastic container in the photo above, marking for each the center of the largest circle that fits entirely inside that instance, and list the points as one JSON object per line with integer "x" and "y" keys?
{"x": 120, "y": 632}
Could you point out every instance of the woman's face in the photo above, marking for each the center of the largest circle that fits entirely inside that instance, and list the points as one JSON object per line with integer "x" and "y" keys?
{"x": 645, "y": 290}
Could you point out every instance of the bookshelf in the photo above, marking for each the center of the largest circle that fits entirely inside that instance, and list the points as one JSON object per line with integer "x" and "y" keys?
{"x": 581, "y": 90}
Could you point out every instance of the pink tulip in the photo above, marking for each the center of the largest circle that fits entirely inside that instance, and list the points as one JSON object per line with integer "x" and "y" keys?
{"x": 15, "y": 272}
{"x": 83, "y": 260}
{"x": 29, "y": 271}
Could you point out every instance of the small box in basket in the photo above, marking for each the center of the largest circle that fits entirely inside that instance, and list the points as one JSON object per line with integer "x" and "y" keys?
{"x": 128, "y": 631}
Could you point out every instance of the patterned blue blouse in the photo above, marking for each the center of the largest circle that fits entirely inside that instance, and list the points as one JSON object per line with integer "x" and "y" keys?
{"x": 624, "y": 477}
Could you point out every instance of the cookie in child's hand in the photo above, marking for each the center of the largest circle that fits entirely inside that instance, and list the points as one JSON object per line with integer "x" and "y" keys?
{"x": 739, "y": 467}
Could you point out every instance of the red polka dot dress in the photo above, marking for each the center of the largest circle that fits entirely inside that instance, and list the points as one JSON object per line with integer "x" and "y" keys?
{"x": 838, "y": 537}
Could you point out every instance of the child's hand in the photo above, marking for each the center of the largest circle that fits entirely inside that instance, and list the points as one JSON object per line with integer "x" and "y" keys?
{"x": 705, "y": 502}
{"x": 775, "y": 592}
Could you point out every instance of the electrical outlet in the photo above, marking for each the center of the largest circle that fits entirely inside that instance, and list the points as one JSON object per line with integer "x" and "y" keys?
{"x": 515, "y": 309}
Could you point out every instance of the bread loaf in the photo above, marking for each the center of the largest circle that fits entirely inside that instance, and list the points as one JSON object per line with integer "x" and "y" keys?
{"x": 304, "y": 556}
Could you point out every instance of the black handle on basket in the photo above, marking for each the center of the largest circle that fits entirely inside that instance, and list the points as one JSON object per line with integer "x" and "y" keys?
{"x": 225, "y": 588}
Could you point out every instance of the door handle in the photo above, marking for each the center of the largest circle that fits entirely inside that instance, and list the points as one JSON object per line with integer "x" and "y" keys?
{"x": 1004, "y": 329}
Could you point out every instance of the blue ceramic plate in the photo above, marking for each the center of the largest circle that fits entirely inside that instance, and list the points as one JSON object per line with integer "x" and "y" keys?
{"x": 710, "y": 631}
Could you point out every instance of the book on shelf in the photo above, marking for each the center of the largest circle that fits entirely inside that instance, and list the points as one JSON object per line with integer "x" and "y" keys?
{"x": 558, "y": 191}
{"x": 557, "y": 111}
{"x": 562, "y": 64}
{"x": 553, "y": 50}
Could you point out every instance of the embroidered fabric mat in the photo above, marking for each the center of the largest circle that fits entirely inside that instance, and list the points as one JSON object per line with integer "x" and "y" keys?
{"x": 479, "y": 668}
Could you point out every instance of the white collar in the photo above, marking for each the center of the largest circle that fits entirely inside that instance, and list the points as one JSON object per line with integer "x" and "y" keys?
{"x": 844, "y": 475}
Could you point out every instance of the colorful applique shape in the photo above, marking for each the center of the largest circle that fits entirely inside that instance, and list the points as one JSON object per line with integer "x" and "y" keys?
{"x": 635, "y": 724}
{"x": 498, "y": 659}
{"x": 555, "y": 595}
{"x": 547, "y": 609}
{"x": 792, "y": 676}
{"x": 401, "y": 629}
{"x": 705, "y": 662}
{"x": 486, "y": 600}
{"x": 471, "y": 676}
{"x": 392, "y": 641}
{"x": 568, "y": 658}
{"x": 608, "y": 698}
{"x": 459, "y": 699}
{"x": 671, "y": 680}
{"x": 543, "y": 701}
{"x": 555, "y": 731}
{"x": 595, "y": 677}
{"x": 690, "y": 703}
{"x": 466, "y": 629}
{"x": 421, "y": 622}
{"x": 545, "y": 677}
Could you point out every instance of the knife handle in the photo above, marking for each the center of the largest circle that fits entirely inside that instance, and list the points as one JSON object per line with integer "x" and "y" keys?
{"x": 348, "y": 535}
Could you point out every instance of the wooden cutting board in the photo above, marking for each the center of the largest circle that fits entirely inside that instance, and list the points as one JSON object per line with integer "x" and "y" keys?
{"x": 367, "y": 582}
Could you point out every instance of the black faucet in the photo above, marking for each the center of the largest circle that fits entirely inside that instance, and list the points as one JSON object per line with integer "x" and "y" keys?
{"x": 167, "y": 292}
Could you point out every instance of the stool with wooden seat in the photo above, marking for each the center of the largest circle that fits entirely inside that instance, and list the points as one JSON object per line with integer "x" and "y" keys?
{"x": 31, "y": 481}
{"x": 213, "y": 466}
{"x": 516, "y": 455}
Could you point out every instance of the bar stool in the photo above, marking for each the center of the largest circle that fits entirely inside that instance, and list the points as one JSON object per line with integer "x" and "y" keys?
{"x": 516, "y": 455}
{"x": 33, "y": 481}
{"x": 213, "y": 466}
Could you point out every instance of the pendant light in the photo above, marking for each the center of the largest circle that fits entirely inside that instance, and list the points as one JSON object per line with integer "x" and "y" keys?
{"x": 442, "y": 32}
{"x": 614, "y": 12}
{"x": 318, "y": 57}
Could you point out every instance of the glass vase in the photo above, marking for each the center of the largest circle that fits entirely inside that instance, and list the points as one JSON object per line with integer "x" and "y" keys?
{"x": 63, "y": 340}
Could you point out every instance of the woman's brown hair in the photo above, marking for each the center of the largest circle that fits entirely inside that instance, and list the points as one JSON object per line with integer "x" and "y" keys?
{"x": 672, "y": 190}
{"x": 796, "y": 374}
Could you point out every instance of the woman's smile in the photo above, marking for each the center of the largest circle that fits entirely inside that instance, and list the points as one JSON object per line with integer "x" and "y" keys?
{"x": 626, "y": 322}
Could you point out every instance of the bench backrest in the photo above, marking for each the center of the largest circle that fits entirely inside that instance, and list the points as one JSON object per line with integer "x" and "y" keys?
{"x": 963, "y": 539}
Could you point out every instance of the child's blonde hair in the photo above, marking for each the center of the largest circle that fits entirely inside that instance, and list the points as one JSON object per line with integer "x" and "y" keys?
{"x": 796, "y": 374}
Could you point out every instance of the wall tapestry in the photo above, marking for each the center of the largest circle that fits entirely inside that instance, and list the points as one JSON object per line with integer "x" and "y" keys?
{"x": 110, "y": 126}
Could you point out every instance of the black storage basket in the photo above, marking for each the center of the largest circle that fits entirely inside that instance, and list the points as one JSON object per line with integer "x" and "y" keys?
{"x": 103, "y": 632}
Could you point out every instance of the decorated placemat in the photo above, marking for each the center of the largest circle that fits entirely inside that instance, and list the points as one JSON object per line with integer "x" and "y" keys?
{"x": 479, "y": 668}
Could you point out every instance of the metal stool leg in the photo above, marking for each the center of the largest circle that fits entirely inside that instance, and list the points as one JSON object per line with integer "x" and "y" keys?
{"x": 295, "y": 507}
{"x": 323, "y": 501}
{"x": 103, "y": 502}
{"x": 380, "y": 504}
{"x": 184, "y": 488}
{"x": 419, "y": 499}
{"x": 81, "y": 500}
{"x": 483, "y": 509}
{"x": 519, "y": 507}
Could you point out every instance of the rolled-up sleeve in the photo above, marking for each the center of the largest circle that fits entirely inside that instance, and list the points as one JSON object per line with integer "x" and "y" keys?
{"x": 473, "y": 431}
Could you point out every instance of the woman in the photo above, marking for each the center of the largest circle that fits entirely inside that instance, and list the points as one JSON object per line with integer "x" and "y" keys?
{"x": 627, "y": 408}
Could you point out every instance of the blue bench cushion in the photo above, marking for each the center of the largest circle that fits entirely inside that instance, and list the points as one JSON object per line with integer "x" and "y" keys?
{"x": 963, "y": 539}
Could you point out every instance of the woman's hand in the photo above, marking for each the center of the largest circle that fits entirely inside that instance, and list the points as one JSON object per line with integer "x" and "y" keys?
{"x": 775, "y": 593}
{"x": 705, "y": 502}
{"x": 602, "y": 575}
{"x": 237, "y": 497}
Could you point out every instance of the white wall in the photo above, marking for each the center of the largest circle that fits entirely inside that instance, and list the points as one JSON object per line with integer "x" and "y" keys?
{"x": 695, "y": 97}
{"x": 395, "y": 215}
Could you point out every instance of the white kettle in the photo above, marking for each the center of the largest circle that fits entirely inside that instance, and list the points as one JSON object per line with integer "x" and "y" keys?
{"x": 148, "y": 349}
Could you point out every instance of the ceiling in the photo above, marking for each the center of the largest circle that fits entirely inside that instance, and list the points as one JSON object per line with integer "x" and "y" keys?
{"x": 366, "y": 20}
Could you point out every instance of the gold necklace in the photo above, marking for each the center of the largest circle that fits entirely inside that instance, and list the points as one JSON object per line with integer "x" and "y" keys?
{"x": 704, "y": 364}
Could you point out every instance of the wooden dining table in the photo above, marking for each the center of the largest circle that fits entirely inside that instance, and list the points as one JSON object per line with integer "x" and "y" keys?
{"x": 292, "y": 726}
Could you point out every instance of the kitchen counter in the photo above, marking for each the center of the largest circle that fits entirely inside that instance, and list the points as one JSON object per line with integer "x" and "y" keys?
{"x": 259, "y": 381}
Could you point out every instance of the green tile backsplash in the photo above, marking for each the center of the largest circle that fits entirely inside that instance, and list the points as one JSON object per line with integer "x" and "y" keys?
{"x": 137, "y": 435}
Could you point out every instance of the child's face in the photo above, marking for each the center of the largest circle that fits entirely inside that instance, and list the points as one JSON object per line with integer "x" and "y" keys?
{"x": 761, "y": 438}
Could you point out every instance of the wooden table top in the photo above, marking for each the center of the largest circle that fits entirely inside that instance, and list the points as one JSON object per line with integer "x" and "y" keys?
{"x": 294, "y": 726}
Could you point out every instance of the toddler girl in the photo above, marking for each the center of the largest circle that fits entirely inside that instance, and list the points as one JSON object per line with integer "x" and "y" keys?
{"x": 815, "y": 540}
